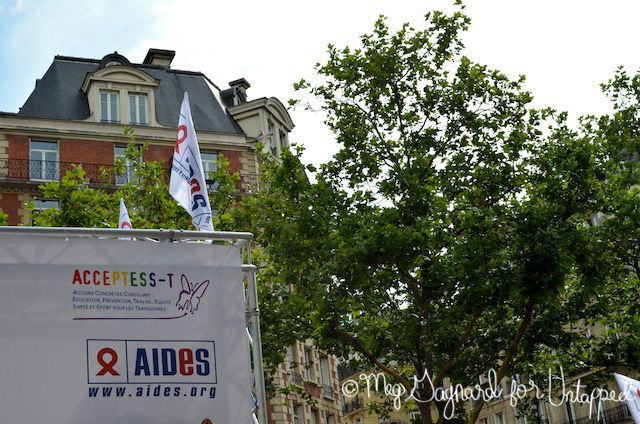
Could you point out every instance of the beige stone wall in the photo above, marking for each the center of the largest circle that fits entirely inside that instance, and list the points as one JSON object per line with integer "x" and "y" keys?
{"x": 249, "y": 170}
{"x": 23, "y": 212}
{"x": 281, "y": 410}
{"x": 4, "y": 147}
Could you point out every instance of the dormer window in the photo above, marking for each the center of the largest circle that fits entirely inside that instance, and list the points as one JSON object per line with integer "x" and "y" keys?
{"x": 138, "y": 109}
{"x": 121, "y": 93}
{"x": 109, "y": 106}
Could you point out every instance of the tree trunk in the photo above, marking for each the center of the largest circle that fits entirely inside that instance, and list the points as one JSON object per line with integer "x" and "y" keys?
{"x": 425, "y": 412}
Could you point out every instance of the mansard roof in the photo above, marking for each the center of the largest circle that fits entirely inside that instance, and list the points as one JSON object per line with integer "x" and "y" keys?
{"x": 59, "y": 95}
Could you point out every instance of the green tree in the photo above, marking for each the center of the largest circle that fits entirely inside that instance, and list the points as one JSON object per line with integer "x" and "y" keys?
{"x": 4, "y": 218}
{"x": 80, "y": 204}
{"x": 450, "y": 233}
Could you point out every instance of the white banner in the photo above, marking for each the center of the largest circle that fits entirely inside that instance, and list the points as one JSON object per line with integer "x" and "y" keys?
{"x": 109, "y": 331}
{"x": 631, "y": 388}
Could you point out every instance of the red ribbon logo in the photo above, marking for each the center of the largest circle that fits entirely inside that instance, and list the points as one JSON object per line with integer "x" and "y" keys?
{"x": 180, "y": 138}
{"x": 107, "y": 366}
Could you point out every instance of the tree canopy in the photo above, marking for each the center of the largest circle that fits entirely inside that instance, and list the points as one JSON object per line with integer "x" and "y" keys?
{"x": 453, "y": 230}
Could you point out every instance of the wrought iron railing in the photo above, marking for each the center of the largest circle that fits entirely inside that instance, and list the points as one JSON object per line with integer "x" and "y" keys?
{"x": 41, "y": 171}
{"x": 327, "y": 391}
{"x": 615, "y": 415}
{"x": 354, "y": 404}
{"x": 296, "y": 378}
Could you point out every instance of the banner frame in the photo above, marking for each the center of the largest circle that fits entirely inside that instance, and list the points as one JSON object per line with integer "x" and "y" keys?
{"x": 243, "y": 240}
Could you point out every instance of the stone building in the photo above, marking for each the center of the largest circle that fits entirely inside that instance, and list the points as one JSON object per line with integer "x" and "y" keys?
{"x": 77, "y": 113}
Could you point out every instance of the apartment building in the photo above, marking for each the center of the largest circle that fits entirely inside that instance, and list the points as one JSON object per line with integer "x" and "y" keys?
{"x": 312, "y": 394}
{"x": 77, "y": 113}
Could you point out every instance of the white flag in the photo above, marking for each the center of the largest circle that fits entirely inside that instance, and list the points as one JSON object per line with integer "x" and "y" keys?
{"x": 124, "y": 221}
{"x": 188, "y": 184}
{"x": 631, "y": 388}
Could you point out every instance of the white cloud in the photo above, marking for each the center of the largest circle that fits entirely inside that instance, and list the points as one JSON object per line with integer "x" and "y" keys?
{"x": 18, "y": 6}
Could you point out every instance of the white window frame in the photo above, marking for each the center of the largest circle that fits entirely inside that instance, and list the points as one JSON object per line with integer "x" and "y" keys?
{"x": 129, "y": 167}
{"x": 107, "y": 117}
{"x": 134, "y": 114}
{"x": 325, "y": 370}
{"x": 41, "y": 205}
{"x": 298, "y": 414}
{"x": 308, "y": 364}
{"x": 208, "y": 166}
{"x": 283, "y": 139}
{"x": 271, "y": 130}
{"x": 42, "y": 176}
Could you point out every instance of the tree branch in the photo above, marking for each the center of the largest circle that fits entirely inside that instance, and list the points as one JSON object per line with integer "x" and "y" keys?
{"x": 511, "y": 353}
{"x": 357, "y": 345}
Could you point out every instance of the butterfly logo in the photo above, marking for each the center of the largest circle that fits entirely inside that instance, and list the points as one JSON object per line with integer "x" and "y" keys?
{"x": 190, "y": 295}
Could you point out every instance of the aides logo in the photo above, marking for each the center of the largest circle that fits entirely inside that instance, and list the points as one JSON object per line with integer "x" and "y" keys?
{"x": 151, "y": 361}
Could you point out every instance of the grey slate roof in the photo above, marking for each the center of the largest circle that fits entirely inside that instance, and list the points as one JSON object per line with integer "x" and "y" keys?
{"x": 58, "y": 95}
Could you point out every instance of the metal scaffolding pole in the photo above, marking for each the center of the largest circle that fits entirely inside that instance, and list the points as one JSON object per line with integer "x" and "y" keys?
{"x": 253, "y": 316}
{"x": 249, "y": 270}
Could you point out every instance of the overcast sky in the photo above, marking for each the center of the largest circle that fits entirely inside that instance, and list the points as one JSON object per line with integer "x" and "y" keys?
{"x": 565, "y": 48}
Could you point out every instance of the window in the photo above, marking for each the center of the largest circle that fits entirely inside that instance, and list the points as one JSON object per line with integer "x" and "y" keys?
{"x": 43, "y": 160}
{"x": 331, "y": 419}
{"x": 109, "y": 106}
{"x": 297, "y": 413}
{"x": 283, "y": 139}
{"x": 272, "y": 139}
{"x": 128, "y": 175}
{"x": 484, "y": 420}
{"x": 314, "y": 417}
{"x": 521, "y": 419}
{"x": 208, "y": 166}
{"x": 42, "y": 204}
{"x": 309, "y": 373}
{"x": 414, "y": 416}
{"x": 498, "y": 418}
{"x": 138, "y": 109}
{"x": 324, "y": 371}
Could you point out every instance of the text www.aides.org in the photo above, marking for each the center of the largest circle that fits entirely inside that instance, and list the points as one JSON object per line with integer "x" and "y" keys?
{"x": 152, "y": 391}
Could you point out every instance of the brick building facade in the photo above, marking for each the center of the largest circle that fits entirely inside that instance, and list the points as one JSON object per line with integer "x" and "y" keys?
{"x": 77, "y": 114}
{"x": 78, "y": 111}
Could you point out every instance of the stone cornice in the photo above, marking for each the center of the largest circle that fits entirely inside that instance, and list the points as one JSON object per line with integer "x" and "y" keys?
{"x": 12, "y": 124}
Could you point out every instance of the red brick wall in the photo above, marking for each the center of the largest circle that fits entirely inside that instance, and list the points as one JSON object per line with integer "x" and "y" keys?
{"x": 94, "y": 155}
{"x": 269, "y": 412}
{"x": 86, "y": 151}
{"x": 18, "y": 146}
{"x": 233, "y": 156}
{"x": 159, "y": 154}
{"x": 10, "y": 205}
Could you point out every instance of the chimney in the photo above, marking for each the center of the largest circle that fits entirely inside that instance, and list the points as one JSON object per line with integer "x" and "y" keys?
{"x": 239, "y": 87}
{"x": 159, "y": 57}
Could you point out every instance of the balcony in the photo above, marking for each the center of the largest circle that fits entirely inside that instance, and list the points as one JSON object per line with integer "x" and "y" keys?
{"x": 296, "y": 379}
{"x": 327, "y": 391}
{"x": 37, "y": 172}
{"x": 354, "y": 404}
{"x": 616, "y": 415}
